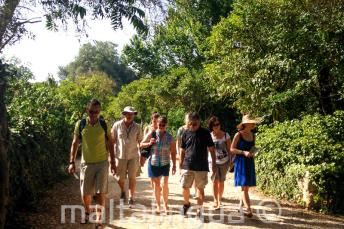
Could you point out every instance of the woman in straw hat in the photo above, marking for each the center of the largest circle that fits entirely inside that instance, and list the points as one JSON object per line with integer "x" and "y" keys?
{"x": 244, "y": 171}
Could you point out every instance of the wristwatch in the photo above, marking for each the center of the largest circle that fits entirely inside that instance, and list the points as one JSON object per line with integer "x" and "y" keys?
{"x": 72, "y": 162}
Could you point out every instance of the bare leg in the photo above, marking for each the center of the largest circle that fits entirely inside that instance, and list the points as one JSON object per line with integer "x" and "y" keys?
{"x": 221, "y": 190}
{"x": 101, "y": 197}
{"x": 87, "y": 199}
{"x": 248, "y": 201}
{"x": 121, "y": 185}
{"x": 200, "y": 199}
{"x": 132, "y": 187}
{"x": 165, "y": 193}
{"x": 157, "y": 192}
{"x": 195, "y": 190}
{"x": 245, "y": 197}
{"x": 186, "y": 195}
{"x": 216, "y": 193}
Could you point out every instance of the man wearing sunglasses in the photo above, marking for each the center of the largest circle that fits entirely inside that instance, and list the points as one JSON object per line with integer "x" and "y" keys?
{"x": 97, "y": 144}
{"x": 127, "y": 136}
{"x": 196, "y": 142}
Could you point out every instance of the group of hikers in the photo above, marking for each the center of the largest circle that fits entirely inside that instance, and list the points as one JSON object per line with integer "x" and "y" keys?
{"x": 125, "y": 149}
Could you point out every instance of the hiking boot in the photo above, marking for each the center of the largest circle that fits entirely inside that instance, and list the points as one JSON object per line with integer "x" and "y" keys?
{"x": 186, "y": 208}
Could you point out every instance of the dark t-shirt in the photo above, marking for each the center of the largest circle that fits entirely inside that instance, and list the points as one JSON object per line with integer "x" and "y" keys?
{"x": 196, "y": 149}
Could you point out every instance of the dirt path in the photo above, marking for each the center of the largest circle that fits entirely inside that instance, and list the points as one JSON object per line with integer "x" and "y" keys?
{"x": 48, "y": 213}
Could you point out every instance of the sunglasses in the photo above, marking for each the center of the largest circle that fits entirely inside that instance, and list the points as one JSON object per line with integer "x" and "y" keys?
{"x": 93, "y": 112}
{"x": 216, "y": 124}
{"x": 194, "y": 124}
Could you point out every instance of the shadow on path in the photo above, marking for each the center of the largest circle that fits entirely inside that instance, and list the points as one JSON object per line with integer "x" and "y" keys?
{"x": 48, "y": 213}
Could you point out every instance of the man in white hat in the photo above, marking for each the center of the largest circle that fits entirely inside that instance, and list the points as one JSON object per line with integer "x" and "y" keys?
{"x": 127, "y": 136}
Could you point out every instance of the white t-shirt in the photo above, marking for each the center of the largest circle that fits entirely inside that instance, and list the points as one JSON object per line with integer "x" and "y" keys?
{"x": 222, "y": 154}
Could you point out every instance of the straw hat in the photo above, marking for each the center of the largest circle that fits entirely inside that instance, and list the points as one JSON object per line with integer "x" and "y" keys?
{"x": 248, "y": 119}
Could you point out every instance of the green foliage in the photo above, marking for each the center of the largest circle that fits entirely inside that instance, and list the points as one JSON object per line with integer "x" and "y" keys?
{"x": 289, "y": 149}
{"x": 175, "y": 119}
{"x": 40, "y": 138}
{"x": 99, "y": 57}
{"x": 138, "y": 94}
{"x": 290, "y": 60}
{"x": 75, "y": 94}
{"x": 176, "y": 90}
{"x": 143, "y": 56}
{"x": 61, "y": 11}
{"x": 179, "y": 41}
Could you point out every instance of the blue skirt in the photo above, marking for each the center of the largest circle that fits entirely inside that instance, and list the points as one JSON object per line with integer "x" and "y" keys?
{"x": 244, "y": 171}
{"x": 158, "y": 171}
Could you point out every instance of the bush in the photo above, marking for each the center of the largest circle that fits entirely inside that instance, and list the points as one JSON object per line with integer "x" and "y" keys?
{"x": 313, "y": 144}
{"x": 40, "y": 139}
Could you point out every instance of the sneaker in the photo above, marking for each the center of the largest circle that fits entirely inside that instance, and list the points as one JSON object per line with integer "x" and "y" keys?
{"x": 131, "y": 202}
{"x": 186, "y": 208}
{"x": 123, "y": 195}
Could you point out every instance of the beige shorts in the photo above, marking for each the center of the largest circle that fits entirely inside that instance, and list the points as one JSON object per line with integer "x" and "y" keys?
{"x": 221, "y": 172}
{"x": 127, "y": 167}
{"x": 189, "y": 176}
{"x": 94, "y": 178}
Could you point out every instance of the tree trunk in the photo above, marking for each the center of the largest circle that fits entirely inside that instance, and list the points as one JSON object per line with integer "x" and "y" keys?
{"x": 6, "y": 17}
{"x": 4, "y": 143}
{"x": 325, "y": 86}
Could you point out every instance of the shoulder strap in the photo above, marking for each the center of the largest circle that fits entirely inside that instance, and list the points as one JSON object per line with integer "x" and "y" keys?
{"x": 82, "y": 125}
{"x": 153, "y": 134}
{"x": 104, "y": 126}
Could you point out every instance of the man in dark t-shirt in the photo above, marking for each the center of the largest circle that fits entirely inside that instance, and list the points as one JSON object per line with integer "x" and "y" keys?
{"x": 196, "y": 142}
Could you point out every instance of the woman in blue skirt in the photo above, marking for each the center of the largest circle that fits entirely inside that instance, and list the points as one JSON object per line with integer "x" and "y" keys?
{"x": 162, "y": 151}
{"x": 244, "y": 171}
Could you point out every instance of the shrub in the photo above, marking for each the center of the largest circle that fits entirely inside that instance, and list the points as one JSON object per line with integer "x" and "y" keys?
{"x": 289, "y": 149}
{"x": 40, "y": 138}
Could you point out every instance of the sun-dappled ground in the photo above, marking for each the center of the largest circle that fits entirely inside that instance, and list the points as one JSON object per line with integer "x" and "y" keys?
{"x": 268, "y": 213}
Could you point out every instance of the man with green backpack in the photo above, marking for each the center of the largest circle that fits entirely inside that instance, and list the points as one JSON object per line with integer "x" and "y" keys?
{"x": 97, "y": 148}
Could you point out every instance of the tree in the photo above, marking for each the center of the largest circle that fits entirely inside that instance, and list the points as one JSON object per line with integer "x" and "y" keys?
{"x": 143, "y": 57}
{"x": 290, "y": 60}
{"x": 74, "y": 94}
{"x": 4, "y": 143}
{"x": 179, "y": 41}
{"x": 102, "y": 57}
{"x": 12, "y": 28}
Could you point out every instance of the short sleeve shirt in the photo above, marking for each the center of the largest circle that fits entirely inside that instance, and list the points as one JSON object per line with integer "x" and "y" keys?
{"x": 196, "y": 146}
{"x": 221, "y": 152}
{"x": 180, "y": 133}
{"x": 126, "y": 140}
{"x": 93, "y": 145}
{"x": 161, "y": 150}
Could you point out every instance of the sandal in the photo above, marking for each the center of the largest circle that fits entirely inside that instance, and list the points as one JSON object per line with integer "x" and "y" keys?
{"x": 99, "y": 226}
{"x": 248, "y": 214}
{"x": 215, "y": 208}
{"x": 166, "y": 210}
